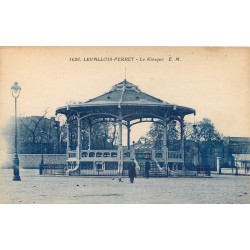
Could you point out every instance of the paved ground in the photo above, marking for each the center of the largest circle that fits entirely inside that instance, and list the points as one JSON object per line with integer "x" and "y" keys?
{"x": 57, "y": 189}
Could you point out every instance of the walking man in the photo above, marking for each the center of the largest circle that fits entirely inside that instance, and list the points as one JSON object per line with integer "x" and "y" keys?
{"x": 147, "y": 167}
{"x": 131, "y": 172}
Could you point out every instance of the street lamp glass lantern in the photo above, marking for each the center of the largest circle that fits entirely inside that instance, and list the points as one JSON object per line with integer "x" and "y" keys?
{"x": 15, "y": 88}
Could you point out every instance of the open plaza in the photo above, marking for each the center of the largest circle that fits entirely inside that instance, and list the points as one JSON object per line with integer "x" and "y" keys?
{"x": 96, "y": 171}
{"x": 37, "y": 189}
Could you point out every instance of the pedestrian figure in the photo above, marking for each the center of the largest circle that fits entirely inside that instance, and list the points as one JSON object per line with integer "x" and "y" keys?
{"x": 147, "y": 167}
{"x": 131, "y": 172}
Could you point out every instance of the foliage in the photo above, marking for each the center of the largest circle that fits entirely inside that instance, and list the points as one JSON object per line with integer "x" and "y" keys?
{"x": 205, "y": 131}
{"x": 203, "y": 140}
{"x": 30, "y": 138}
{"x": 207, "y": 138}
{"x": 155, "y": 135}
{"x": 104, "y": 135}
{"x": 54, "y": 137}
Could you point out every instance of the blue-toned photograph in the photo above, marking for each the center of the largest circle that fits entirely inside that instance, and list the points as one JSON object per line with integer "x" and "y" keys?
{"x": 124, "y": 125}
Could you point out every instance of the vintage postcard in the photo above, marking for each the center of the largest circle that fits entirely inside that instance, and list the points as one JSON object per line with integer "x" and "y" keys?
{"x": 124, "y": 125}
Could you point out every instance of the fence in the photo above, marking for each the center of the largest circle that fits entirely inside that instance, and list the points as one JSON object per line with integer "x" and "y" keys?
{"x": 32, "y": 161}
{"x": 111, "y": 169}
{"x": 55, "y": 169}
{"x": 234, "y": 171}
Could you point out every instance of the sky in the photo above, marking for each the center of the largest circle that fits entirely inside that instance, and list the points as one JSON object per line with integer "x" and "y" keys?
{"x": 215, "y": 81}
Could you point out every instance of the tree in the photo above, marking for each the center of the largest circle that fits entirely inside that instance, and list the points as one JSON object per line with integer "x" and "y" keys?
{"x": 113, "y": 134}
{"x": 155, "y": 135}
{"x": 207, "y": 138}
{"x": 31, "y": 128}
{"x": 200, "y": 142}
{"x": 103, "y": 135}
{"x": 190, "y": 150}
{"x": 29, "y": 135}
{"x": 188, "y": 130}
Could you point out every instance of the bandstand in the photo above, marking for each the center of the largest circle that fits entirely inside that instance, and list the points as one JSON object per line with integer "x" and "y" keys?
{"x": 126, "y": 105}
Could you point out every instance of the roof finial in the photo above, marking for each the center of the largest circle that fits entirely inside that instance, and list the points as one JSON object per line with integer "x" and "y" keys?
{"x": 125, "y": 73}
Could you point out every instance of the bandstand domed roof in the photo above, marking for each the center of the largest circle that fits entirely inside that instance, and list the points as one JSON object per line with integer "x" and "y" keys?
{"x": 130, "y": 99}
{"x": 125, "y": 93}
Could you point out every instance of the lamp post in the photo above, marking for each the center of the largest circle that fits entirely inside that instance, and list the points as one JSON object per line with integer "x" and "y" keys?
{"x": 184, "y": 147}
{"x": 58, "y": 128}
{"x": 58, "y": 133}
{"x": 41, "y": 166}
{"x": 15, "y": 88}
{"x": 133, "y": 149}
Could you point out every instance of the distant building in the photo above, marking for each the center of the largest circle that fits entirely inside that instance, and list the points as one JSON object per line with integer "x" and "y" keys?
{"x": 234, "y": 150}
{"x": 238, "y": 145}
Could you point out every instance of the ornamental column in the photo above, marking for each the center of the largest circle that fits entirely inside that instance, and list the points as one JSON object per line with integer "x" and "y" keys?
{"x": 68, "y": 138}
{"x": 182, "y": 142}
{"x": 120, "y": 149}
{"x": 218, "y": 165}
{"x": 128, "y": 139}
{"x": 165, "y": 149}
{"x": 90, "y": 132}
{"x": 78, "y": 148}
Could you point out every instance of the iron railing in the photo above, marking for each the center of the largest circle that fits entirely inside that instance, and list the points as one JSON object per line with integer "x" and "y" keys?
{"x": 55, "y": 169}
